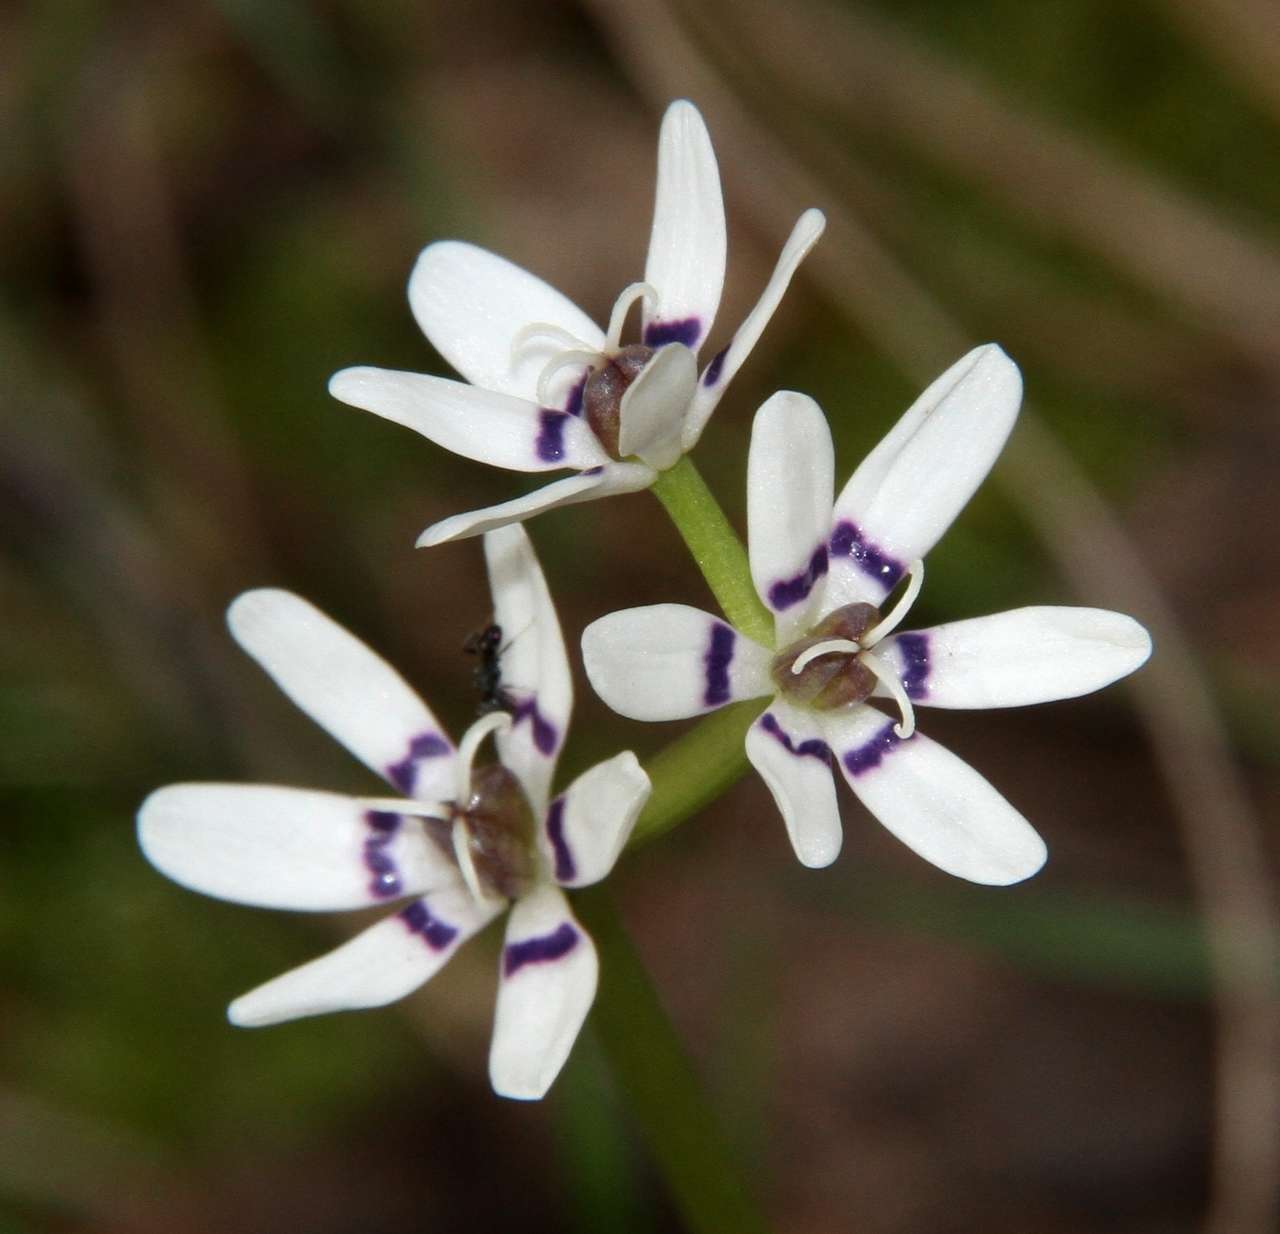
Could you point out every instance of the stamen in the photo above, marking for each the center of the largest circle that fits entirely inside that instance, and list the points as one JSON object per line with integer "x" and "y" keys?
{"x": 468, "y": 746}
{"x": 555, "y": 364}
{"x": 545, "y": 330}
{"x": 887, "y": 625}
{"x": 891, "y": 682}
{"x": 462, "y": 852}
{"x": 621, "y": 307}
{"x": 822, "y": 649}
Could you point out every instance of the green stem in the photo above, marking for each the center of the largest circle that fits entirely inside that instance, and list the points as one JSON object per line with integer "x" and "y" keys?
{"x": 715, "y": 547}
{"x": 662, "y": 1089}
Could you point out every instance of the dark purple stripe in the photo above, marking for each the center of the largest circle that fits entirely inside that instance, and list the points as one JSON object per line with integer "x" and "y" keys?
{"x": 404, "y": 773}
{"x": 545, "y": 735}
{"x": 712, "y": 373}
{"x": 788, "y": 591}
{"x": 870, "y": 753}
{"x": 566, "y": 868}
{"x": 562, "y": 940}
{"x": 811, "y": 747}
{"x": 550, "y": 442}
{"x": 573, "y": 403}
{"x": 847, "y": 540}
{"x": 592, "y": 471}
{"x": 718, "y": 657}
{"x": 386, "y": 882}
{"x": 435, "y": 933}
{"x": 915, "y": 664}
{"x": 687, "y": 331}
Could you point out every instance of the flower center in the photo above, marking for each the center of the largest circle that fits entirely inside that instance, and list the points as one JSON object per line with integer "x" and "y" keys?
{"x": 833, "y": 666}
{"x": 612, "y": 369}
{"x": 494, "y": 835}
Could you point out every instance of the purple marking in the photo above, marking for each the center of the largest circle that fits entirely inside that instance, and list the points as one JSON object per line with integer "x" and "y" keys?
{"x": 435, "y": 933}
{"x": 712, "y": 373}
{"x": 545, "y": 735}
{"x": 688, "y": 331}
{"x": 550, "y": 442}
{"x": 404, "y": 773}
{"x": 716, "y": 660}
{"x": 573, "y": 403}
{"x": 811, "y": 747}
{"x": 788, "y": 591}
{"x": 847, "y": 540}
{"x": 566, "y": 868}
{"x": 915, "y": 664}
{"x": 870, "y": 754}
{"x": 562, "y": 940}
{"x": 386, "y": 883}
{"x": 593, "y": 471}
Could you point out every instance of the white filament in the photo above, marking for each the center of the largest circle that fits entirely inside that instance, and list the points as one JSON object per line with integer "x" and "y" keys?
{"x": 810, "y": 654}
{"x": 407, "y": 807}
{"x": 555, "y": 364}
{"x": 891, "y": 682}
{"x": 545, "y": 330}
{"x": 621, "y": 307}
{"x": 462, "y": 854}
{"x": 467, "y": 748}
{"x": 887, "y": 625}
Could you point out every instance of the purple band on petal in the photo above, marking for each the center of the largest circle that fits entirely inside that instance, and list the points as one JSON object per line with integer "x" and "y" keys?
{"x": 550, "y": 442}
{"x": 712, "y": 373}
{"x": 688, "y": 331}
{"x": 718, "y": 657}
{"x": 867, "y": 756}
{"x": 566, "y": 868}
{"x": 545, "y": 734}
{"x": 573, "y": 403}
{"x": 554, "y": 946}
{"x": 386, "y": 883}
{"x": 811, "y": 747}
{"x": 404, "y": 773}
{"x": 847, "y": 540}
{"x": 788, "y": 591}
{"x": 435, "y": 933}
{"x": 915, "y": 664}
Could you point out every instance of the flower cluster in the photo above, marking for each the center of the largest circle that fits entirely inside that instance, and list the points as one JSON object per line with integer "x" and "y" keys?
{"x": 465, "y": 837}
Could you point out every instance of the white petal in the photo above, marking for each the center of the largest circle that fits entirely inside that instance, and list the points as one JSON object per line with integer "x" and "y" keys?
{"x": 720, "y": 372}
{"x": 1027, "y": 655}
{"x": 384, "y": 963}
{"x": 472, "y": 305}
{"x": 669, "y": 661}
{"x": 790, "y": 481}
{"x": 535, "y": 666}
{"x": 653, "y": 408}
{"x": 934, "y": 802}
{"x": 912, "y": 485}
{"x": 687, "y": 244}
{"x": 605, "y": 481}
{"x": 347, "y": 689}
{"x": 786, "y": 746}
{"x": 288, "y": 847}
{"x": 549, "y": 975}
{"x": 588, "y": 825}
{"x": 478, "y": 424}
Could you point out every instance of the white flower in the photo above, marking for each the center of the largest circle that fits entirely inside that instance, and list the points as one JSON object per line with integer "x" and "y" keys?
{"x": 463, "y": 840}
{"x": 549, "y": 389}
{"x": 823, "y": 569}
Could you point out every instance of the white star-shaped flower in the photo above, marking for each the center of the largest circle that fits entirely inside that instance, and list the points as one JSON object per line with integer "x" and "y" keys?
{"x": 463, "y": 839}
{"x": 549, "y": 389}
{"x": 823, "y": 569}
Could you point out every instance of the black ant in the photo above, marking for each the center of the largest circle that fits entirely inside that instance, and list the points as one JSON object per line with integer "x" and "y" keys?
{"x": 486, "y": 645}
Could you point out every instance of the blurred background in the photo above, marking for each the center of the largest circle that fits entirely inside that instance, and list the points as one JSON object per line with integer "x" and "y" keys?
{"x": 208, "y": 207}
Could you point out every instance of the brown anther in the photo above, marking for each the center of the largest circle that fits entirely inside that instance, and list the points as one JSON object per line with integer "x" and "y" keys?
{"x": 602, "y": 397}
{"x": 501, "y": 831}
{"x": 836, "y": 679}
